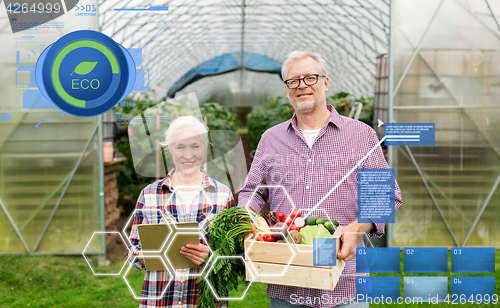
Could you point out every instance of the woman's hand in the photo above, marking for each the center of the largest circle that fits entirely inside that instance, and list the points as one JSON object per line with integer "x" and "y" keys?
{"x": 140, "y": 258}
{"x": 196, "y": 253}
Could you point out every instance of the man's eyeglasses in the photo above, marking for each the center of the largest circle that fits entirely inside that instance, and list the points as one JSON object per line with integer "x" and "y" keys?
{"x": 308, "y": 80}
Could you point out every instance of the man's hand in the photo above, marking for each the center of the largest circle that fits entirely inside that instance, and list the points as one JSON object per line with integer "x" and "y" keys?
{"x": 196, "y": 253}
{"x": 349, "y": 236}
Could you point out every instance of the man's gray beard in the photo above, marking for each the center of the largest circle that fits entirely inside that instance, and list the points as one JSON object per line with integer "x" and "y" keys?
{"x": 305, "y": 109}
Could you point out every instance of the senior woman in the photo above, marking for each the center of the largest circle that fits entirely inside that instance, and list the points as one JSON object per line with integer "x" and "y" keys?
{"x": 186, "y": 194}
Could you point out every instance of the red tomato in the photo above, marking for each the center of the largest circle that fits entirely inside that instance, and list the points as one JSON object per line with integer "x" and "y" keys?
{"x": 294, "y": 213}
{"x": 293, "y": 227}
{"x": 281, "y": 215}
{"x": 288, "y": 220}
{"x": 269, "y": 238}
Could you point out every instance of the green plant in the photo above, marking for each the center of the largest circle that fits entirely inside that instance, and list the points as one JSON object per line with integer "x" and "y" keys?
{"x": 344, "y": 102}
{"x": 279, "y": 110}
{"x": 129, "y": 182}
{"x": 227, "y": 234}
{"x": 265, "y": 116}
{"x": 218, "y": 118}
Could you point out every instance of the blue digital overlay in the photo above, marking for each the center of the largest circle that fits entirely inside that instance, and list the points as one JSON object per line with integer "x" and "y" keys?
{"x": 30, "y": 72}
{"x": 136, "y": 54}
{"x": 149, "y": 9}
{"x": 376, "y": 193}
{"x": 35, "y": 99}
{"x": 324, "y": 252}
{"x": 91, "y": 85}
{"x": 140, "y": 76}
{"x": 475, "y": 288}
{"x": 377, "y": 289}
{"x": 425, "y": 289}
{"x": 425, "y": 260}
{"x": 5, "y": 117}
{"x": 90, "y": 96}
{"x": 40, "y": 122}
{"x": 473, "y": 260}
{"x": 410, "y": 134}
{"x": 378, "y": 260}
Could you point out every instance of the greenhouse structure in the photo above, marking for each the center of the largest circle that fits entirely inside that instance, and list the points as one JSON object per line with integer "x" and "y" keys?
{"x": 423, "y": 61}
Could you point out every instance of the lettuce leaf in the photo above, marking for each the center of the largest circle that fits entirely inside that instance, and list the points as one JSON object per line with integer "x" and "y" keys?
{"x": 308, "y": 233}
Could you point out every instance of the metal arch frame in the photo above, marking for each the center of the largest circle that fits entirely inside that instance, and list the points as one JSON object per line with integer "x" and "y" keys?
{"x": 369, "y": 31}
{"x": 67, "y": 181}
{"x": 362, "y": 27}
{"x": 392, "y": 92}
{"x": 70, "y": 179}
{"x": 189, "y": 15}
{"x": 417, "y": 48}
{"x": 14, "y": 225}
{"x": 339, "y": 80}
{"x": 193, "y": 44}
{"x": 175, "y": 68}
{"x": 359, "y": 82}
{"x": 420, "y": 173}
{"x": 452, "y": 95}
{"x": 105, "y": 22}
{"x": 116, "y": 33}
{"x": 342, "y": 46}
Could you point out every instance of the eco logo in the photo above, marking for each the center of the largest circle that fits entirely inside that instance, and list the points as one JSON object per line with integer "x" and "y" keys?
{"x": 85, "y": 73}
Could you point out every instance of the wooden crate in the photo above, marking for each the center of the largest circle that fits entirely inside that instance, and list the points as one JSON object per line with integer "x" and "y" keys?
{"x": 270, "y": 261}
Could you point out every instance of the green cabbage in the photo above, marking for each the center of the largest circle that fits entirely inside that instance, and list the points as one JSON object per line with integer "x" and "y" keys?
{"x": 308, "y": 233}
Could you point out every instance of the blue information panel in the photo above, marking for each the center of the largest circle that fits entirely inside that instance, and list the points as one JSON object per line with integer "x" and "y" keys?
{"x": 409, "y": 134}
{"x": 425, "y": 260}
{"x": 473, "y": 260}
{"x": 376, "y": 195}
{"x": 325, "y": 252}
{"x": 472, "y": 289}
{"x": 425, "y": 289}
{"x": 377, "y": 289}
{"x": 377, "y": 260}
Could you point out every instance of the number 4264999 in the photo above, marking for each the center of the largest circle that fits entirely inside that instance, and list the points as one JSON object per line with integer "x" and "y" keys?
{"x": 17, "y": 8}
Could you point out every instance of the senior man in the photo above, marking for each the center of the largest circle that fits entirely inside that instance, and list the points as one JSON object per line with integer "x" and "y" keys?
{"x": 306, "y": 157}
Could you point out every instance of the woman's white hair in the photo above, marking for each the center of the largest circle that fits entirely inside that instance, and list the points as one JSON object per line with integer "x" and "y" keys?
{"x": 297, "y": 54}
{"x": 182, "y": 123}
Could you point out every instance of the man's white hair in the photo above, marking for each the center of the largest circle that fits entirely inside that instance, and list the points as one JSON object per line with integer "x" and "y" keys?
{"x": 182, "y": 123}
{"x": 297, "y": 54}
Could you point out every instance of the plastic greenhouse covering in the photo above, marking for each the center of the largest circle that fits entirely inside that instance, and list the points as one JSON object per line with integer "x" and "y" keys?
{"x": 443, "y": 67}
{"x": 349, "y": 35}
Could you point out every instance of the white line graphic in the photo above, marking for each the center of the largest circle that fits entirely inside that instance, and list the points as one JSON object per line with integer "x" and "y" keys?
{"x": 346, "y": 176}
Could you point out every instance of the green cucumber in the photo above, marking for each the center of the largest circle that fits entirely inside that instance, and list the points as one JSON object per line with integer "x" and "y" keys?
{"x": 329, "y": 226}
{"x": 311, "y": 220}
{"x": 321, "y": 221}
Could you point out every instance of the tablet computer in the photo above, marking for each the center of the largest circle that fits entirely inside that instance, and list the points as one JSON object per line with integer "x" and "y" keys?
{"x": 152, "y": 237}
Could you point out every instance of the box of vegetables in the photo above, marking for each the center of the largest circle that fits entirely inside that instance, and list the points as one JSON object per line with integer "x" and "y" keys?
{"x": 277, "y": 248}
{"x": 280, "y": 251}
